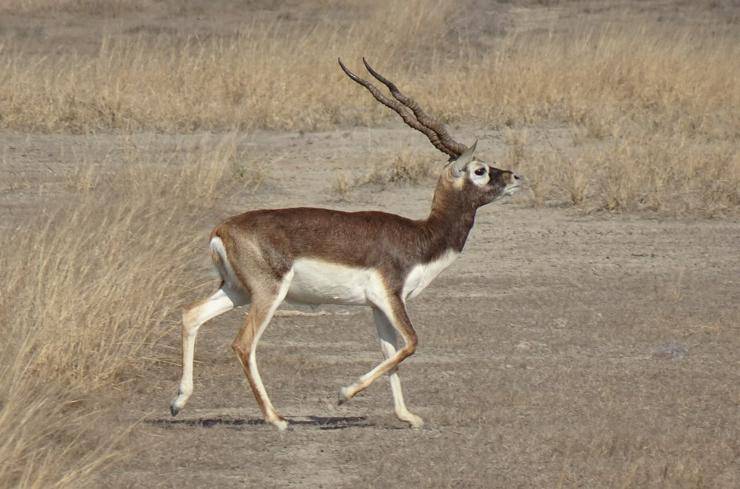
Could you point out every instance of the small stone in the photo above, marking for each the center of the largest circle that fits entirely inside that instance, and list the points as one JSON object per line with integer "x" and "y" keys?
{"x": 670, "y": 351}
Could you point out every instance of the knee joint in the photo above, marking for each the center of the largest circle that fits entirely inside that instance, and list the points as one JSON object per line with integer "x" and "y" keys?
{"x": 240, "y": 350}
{"x": 410, "y": 346}
{"x": 189, "y": 322}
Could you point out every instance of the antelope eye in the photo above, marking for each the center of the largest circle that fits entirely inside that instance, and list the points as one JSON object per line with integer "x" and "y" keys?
{"x": 480, "y": 171}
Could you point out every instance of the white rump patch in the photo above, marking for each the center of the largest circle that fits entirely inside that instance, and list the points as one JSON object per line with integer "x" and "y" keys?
{"x": 422, "y": 275}
{"x": 227, "y": 272}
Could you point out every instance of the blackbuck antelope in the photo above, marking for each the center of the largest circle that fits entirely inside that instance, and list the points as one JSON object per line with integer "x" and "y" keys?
{"x": 321, "y": 256}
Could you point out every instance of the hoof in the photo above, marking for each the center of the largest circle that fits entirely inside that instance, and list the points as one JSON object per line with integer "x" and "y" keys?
{"x": 178, "y": 403}
{"x": 416, "y": 423}
{"x": 413, "y": 420}
{"x": 281, "y": 424}
{"x": 343, "y": 396}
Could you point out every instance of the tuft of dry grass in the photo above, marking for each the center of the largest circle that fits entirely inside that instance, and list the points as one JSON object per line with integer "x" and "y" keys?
{"x": 406, "y": 168}
{"x": 637, "y": 173}
{"x": 86, "y": 293}
{"x": 342, "y": 185}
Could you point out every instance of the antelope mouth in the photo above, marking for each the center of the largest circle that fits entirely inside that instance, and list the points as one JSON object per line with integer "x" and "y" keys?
{"x": 512, "y": 188}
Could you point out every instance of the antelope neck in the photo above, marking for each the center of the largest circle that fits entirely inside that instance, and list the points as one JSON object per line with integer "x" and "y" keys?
{"x": 450, "y": 220}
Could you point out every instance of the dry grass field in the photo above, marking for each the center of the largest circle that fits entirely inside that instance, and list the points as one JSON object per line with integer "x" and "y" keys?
{"x": 588, "y": 336}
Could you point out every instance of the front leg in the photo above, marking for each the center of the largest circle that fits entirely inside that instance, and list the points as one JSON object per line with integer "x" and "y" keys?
{"x": 394, "y": 309}
{"x": 389, "y": 344}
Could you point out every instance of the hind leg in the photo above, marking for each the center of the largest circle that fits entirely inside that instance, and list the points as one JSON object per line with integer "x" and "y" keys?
{"x": 193, "y": 317}
{"x": 265, "y": 301}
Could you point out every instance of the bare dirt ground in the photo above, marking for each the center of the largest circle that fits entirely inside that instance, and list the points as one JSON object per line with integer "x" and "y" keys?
{"x": 561, "y": 349}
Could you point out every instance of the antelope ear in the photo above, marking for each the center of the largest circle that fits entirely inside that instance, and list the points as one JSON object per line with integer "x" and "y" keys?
{"x": 462, "y": 161}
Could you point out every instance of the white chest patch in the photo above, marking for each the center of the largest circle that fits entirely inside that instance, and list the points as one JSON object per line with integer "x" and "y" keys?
{"x": 321, "y": 282}
{"x": 422, "y": 275}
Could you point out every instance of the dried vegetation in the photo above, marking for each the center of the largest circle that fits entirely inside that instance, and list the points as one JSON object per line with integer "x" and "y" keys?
{"x": 87, "y": 291}
{"x": 405, "y": 168}
{"x": 653, "y": 107}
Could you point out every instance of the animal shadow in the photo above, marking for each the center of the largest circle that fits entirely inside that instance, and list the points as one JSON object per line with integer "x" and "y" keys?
{"x": 320, "y": 422}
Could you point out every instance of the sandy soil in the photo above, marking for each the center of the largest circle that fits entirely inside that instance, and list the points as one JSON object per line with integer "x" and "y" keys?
{"x": 561, "y": 348}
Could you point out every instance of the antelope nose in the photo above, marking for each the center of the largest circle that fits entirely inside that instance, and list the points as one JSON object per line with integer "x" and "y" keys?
{"x": 516, "y": 177}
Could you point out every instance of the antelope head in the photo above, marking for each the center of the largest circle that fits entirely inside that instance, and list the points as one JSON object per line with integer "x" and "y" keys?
{"x": 474, "y": 181}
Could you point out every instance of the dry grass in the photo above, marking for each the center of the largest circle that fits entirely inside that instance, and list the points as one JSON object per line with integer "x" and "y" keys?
{"x": 406, "y": 168}
{"x": 276, "y": 76}
{"x": 270, "y": 76}
{"x": 86, "y": 292}
{"x": 639, "y": 97}
{"x": 668, "y": 174}
{"x": 96, "y": 7}
{"x": 342, "y": 185}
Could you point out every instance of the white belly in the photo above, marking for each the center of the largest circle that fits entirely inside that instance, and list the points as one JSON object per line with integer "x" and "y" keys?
{"x": 320, "y": 282}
